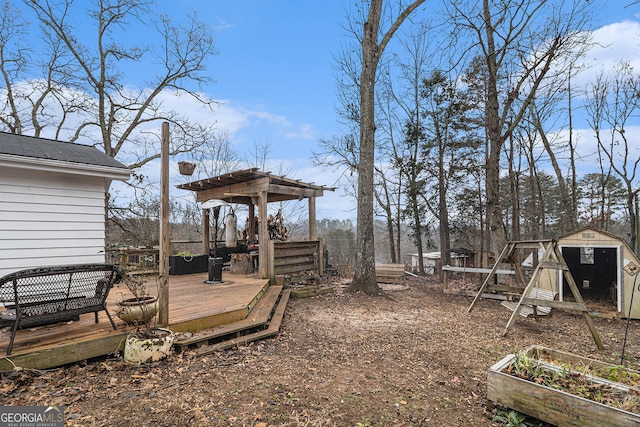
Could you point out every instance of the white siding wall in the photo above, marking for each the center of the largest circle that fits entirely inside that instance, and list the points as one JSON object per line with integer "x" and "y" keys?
{"x": 49, "y": 219}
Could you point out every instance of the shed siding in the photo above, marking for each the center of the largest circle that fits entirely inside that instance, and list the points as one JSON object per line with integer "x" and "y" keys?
{"x": 49, "y": 219}
{"x": 591, "y": 237}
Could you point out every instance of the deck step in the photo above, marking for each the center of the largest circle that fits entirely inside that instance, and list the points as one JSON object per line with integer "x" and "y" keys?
{"x": 274, "y": 327}
{"x": 257, "y": 319}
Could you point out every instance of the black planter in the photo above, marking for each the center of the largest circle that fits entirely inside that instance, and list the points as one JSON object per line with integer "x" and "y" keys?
{"x": 187, "y": 265}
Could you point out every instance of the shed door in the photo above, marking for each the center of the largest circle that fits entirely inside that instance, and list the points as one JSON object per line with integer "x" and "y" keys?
{"x": 594, "y": 269}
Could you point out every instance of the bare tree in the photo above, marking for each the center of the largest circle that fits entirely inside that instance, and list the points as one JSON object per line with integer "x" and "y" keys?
{"x": 402, "y": 116}
{"x": 13, "y": 60}
{"x": 612, "y": 102}
{"x": 374, "y": 42}
{"x": 522, "y": 44}
{"x": 388, "y": 176}
{"x": 74, "y": 86}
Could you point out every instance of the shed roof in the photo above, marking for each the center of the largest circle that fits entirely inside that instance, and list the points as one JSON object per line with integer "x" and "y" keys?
{"x": 243, "y": 186}
{"x": 580, "y": 233}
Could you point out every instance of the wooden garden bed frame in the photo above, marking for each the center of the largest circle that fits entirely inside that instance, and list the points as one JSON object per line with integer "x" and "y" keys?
{"x": 551, "y": 405}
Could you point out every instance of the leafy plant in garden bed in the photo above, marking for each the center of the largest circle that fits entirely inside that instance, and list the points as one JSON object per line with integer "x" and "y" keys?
{"x": 613, "y": 386}
{"x": 511, "y": 418}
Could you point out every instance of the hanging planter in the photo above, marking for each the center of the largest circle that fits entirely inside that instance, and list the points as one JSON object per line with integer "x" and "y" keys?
{"x": 186, "y": 168}
{"x": 152, "y": 346}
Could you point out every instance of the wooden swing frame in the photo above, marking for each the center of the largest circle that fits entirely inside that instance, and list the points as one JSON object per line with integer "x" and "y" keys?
{"x": 552, "y": 259}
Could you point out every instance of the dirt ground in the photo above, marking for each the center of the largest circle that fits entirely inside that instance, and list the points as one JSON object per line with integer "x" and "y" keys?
{"x": 414, "y": 357}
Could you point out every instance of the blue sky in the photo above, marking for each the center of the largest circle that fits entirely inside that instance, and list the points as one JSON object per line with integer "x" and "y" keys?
{"x": 275, "y": 76}
{"x": 275, "y": 65}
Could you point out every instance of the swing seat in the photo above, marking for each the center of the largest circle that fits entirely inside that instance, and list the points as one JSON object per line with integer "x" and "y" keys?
{"x": 529, "y": 310}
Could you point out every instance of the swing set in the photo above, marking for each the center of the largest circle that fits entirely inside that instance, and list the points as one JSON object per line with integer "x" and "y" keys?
{"x": 534, "y": 300}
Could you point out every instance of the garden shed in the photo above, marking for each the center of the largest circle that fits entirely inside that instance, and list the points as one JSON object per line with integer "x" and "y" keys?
{"x": 52, "y": 202}
{"x": 604, "y": 268}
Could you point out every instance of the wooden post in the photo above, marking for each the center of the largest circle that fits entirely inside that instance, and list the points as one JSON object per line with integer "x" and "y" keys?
{"x": 206, "y": 231}
{"x": 321, "y": 256}
{"x": 251, "y": 232}
{"x": 263, "y": 235}
{"x": 312, "y": 219}
{"x": 163, "y": 288}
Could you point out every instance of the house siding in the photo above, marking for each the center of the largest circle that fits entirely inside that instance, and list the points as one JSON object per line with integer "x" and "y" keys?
{"x": 50, "y": 219}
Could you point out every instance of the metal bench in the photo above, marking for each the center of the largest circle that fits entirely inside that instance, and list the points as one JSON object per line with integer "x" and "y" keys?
{"x": 46, "y": 295}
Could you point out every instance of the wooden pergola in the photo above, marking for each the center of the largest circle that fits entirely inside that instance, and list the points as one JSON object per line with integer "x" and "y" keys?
{"x": 253, "y": 187}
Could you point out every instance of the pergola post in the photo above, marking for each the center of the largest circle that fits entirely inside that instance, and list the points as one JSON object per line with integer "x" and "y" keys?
{"x": 263, "y": 235}
{"x": 312, "y": 219}
{"x": 251, "y": 233}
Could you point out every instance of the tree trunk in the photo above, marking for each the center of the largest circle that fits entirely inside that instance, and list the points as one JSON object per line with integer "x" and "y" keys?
{"x": 515, "y": 194}
{"x": 384, "y": 200}
{"x": 495, "y": 223}
{"x": 364, "y": 278}
{"x": 365, "y": 275}
{"x": 445, "y": 240}
{"x": 443, "y": 211}
{"x": 418, "y": 231}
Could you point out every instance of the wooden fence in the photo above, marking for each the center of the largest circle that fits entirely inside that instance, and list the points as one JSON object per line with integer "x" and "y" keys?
{"x": 135, "y": 260}
{"x": 290, "y": 258}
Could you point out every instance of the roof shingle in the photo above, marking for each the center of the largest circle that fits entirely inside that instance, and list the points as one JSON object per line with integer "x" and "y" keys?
{"x": 49, "y": 149}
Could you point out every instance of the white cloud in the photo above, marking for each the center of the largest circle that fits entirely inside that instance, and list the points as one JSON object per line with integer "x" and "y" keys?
{"x": 243, "y": 123}
{"x": 222, "y": 25}
{"x": 270, "y": 118}
{"x": 611, "y": 44}
{"x": 303, "y": 131}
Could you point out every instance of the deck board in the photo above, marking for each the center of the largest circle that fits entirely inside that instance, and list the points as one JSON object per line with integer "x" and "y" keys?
{"x": 193, "y": 304}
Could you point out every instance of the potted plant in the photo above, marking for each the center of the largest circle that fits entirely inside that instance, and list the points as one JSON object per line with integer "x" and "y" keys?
{"x": 146, "y": 342}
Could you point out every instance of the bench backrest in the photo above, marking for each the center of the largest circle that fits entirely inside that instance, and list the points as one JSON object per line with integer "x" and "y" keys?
{"x": 58, "y": 283}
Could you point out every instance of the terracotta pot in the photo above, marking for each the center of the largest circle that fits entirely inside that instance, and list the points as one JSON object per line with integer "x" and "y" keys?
{"x": 137, "y": 310}
{"x": 144, "y": 349}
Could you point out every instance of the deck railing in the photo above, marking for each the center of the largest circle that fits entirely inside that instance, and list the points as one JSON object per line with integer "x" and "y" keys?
{"x": 288, "y": 258}
{"x": 135, "y": 260}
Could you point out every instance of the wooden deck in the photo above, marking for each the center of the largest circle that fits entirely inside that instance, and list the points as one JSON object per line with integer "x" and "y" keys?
{"x": 193, "y": 305}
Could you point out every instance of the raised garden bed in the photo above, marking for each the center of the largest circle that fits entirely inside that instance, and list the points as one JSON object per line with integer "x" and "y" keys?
{"x": 566, "y": 390}
{"x": 188, "y": 264}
